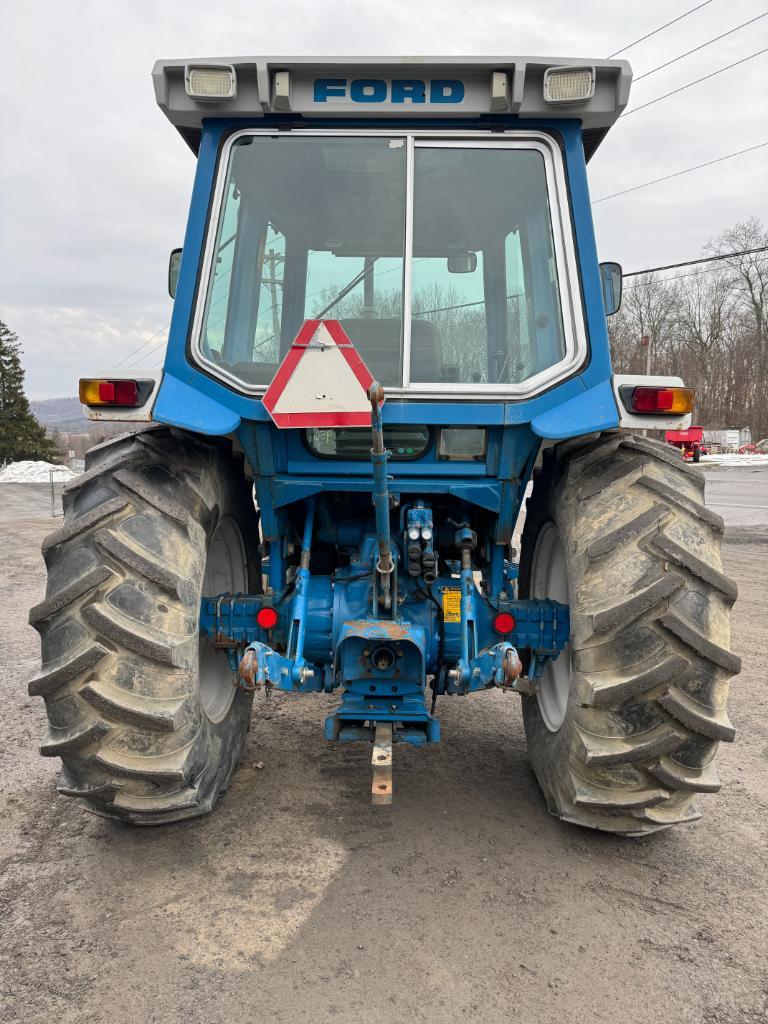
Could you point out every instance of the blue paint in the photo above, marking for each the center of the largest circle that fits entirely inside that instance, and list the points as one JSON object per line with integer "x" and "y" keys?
{"x": 381, "y": 503}
{"x": 595, "y": 410}
{"x": 408, "y": 90}
{"x": 329, "y": 88}
{"x": 542, "y": 626}
{"x": 381, "y": 667}
{"x": 449, "y": 90}
{"x": 182, "y": 405}
{"x": 368, "y": 90}
{"x": 398, "y": 90}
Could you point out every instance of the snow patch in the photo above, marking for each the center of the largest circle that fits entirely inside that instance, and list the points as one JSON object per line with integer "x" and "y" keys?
{"x": 733, "y": 459}
{"x": 35, "y": 473}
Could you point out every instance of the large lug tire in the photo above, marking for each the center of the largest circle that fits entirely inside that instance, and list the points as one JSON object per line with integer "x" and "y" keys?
{"x": 143, "y": 713}
{"x": 623, "y": 730}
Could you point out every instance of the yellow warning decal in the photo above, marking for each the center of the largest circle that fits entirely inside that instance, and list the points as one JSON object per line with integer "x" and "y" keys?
{"x": 452, "y": 605}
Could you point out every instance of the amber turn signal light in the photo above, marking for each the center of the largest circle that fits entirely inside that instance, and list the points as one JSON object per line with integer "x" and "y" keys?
{"x": 109, "y": 392}
{"x": 650, "y": 400}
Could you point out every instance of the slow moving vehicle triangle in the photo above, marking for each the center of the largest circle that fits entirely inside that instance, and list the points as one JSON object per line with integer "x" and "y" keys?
{"x": 322, "y": 382}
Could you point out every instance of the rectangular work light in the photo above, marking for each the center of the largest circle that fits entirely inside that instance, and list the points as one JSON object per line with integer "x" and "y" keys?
{"x": 109, "y": 392}
{"x": 569, "y": 85}
{"x": 210, "y": 82}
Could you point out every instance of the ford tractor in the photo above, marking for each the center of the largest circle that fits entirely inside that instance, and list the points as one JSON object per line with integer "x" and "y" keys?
{"x": 389, "y": 330}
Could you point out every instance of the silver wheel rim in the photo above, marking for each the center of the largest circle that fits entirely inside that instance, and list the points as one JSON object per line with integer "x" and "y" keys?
{"x": 549, "y": 578}
{"x": 225, "y": 572}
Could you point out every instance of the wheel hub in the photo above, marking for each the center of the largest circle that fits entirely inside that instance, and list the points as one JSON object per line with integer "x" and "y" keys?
{"x": 549, "y": 578}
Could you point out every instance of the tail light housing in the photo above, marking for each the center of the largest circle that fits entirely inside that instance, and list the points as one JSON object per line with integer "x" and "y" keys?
{"x": 655, "y": 401}
{"x": 94, "y": 392}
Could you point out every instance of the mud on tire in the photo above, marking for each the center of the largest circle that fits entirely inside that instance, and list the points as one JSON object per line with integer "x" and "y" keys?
{"x": 143, "y": 716}
{"x": 644, "y": 705}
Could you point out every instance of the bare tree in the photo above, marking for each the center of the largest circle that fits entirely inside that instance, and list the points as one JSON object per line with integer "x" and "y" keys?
{"x": 708, "y": 326}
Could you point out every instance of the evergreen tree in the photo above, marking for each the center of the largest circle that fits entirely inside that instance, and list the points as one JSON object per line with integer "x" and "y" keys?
{"x": 21, "y": 436}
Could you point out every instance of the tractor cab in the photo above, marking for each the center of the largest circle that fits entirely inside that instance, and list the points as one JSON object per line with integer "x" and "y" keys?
{"x": 433, "y": 216}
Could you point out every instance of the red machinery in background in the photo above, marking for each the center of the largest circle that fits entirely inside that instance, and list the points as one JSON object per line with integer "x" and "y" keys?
{"x": 690, "y": 442}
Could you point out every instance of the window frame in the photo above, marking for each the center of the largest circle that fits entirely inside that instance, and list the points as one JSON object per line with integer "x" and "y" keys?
{"x": 428, "y": 447}
{"x": 566, "y": 263}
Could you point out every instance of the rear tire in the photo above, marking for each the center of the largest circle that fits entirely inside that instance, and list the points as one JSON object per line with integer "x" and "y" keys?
{"x": 145, "y": 716}
{"x": 623, "y": 730}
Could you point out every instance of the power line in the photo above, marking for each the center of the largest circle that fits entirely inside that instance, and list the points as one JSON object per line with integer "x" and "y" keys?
{"x": 143, "y": 345}
{"x": 691, "y": 263}
{"x": 692, "y": 273}
{"x": 682, "y": 88}
{"x": 702, "y": 46}
{"x": 137, "y": 364}
{"x": 687, "y": 170}
{"x": 657, "y": 30}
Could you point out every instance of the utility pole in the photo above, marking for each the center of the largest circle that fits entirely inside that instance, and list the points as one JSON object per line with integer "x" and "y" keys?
{"x": 368, "y": 296}
{"x": 273, "y": 260}
{"x": 645, "y": 342}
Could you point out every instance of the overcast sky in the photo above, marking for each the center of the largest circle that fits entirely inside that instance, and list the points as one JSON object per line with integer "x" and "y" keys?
{"x": 94, "y": 182}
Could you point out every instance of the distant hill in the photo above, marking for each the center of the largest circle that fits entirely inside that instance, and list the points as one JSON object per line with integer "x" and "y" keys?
{"x": 61, "y": 414}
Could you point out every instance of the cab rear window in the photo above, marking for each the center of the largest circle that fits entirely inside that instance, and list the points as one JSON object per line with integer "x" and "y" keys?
{"x": 402, "y": 440}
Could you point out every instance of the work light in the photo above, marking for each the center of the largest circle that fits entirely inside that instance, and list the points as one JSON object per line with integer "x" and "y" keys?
{"x": 568, "y": 85}
{"x": 210, "y": 82}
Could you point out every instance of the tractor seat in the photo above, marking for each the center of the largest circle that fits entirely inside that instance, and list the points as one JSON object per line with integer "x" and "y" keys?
{"x": 378, "y": 342}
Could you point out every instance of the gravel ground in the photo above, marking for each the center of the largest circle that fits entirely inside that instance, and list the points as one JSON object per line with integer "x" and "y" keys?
{"x": 298, "y": 902}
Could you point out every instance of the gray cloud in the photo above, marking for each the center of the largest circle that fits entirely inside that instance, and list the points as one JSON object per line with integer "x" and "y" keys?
{"x": 94, "y": 183}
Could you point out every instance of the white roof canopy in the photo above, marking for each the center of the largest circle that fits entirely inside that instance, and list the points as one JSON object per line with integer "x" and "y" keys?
{"x": 392, "y": 88}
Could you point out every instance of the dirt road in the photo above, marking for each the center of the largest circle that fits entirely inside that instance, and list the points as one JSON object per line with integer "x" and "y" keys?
{"x": 297, "y": 902}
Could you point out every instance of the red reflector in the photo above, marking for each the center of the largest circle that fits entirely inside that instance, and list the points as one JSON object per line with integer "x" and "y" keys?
{"x": 504, "y": 622}
{"x": 266, "y": 618}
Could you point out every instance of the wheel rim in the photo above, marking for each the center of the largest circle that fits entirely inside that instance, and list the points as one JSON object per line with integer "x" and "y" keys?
{"x": 225, "y": 572}
{"x": 549, "y": 578}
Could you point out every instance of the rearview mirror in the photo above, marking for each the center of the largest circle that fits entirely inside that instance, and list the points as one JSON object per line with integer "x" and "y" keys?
{"x": 464, "y": 263}
{"x": 174, "y": 264}
{"x": 610, "y": 278}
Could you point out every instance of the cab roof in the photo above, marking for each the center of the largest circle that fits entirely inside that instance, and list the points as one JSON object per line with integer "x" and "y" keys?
{"x": 300, "y": 89}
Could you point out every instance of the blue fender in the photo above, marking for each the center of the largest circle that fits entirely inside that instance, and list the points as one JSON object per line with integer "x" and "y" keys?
{"x": 181, "y": 405}
{"x": 591, "y": 411}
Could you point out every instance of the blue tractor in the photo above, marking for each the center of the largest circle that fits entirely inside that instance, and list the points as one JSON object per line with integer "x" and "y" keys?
{"x": 389, "y": 327}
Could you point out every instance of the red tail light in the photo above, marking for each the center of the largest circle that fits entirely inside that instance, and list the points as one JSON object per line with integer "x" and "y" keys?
{"x": 109, "y": 392}
{"x": 677, "y": 401}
